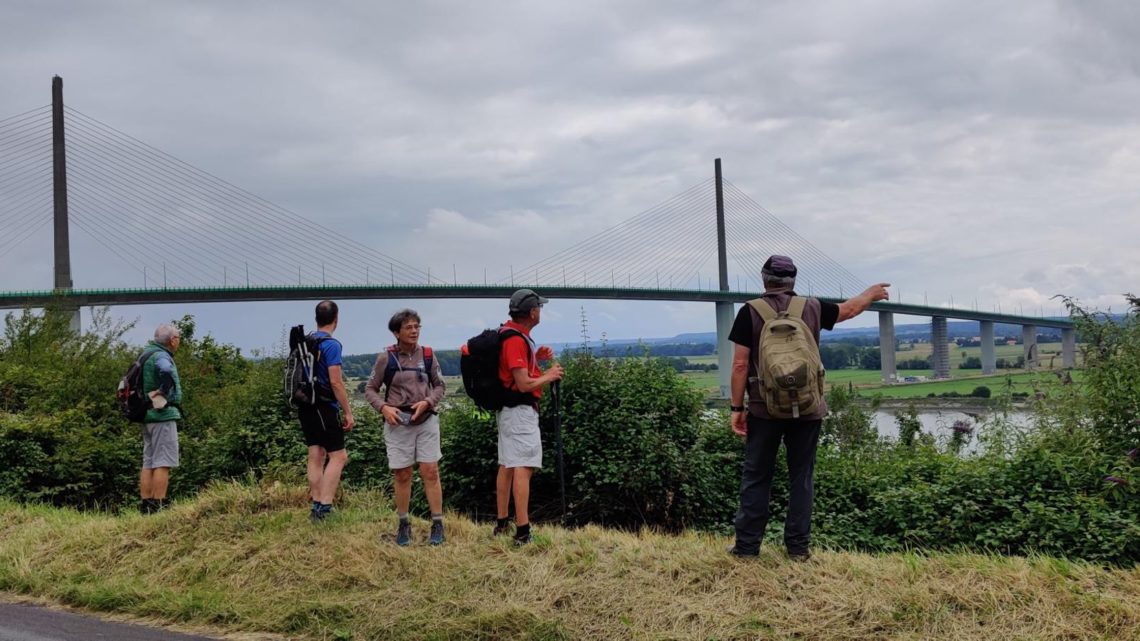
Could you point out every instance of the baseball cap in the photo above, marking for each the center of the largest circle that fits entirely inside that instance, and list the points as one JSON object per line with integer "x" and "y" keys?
{"x": 525, "y": 300}
{"x": 781, "y": 266}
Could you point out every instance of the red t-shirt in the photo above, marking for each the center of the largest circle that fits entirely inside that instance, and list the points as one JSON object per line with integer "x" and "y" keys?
{"x": 515, "y": 353}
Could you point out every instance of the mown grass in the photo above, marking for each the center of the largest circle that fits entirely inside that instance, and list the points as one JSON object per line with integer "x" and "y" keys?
{"x": 243, "y": 558}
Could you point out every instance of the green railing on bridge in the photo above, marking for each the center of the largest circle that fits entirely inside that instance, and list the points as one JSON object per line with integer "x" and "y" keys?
{"x": 252, "y": 293}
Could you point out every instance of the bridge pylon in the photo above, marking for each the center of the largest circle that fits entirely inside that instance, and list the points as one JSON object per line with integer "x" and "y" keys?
{"x": 724, "y": 311}
{"x": 62, "y": 244}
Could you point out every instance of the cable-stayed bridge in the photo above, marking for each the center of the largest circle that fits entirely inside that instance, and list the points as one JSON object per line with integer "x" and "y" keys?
{"x": 63, "y": 167}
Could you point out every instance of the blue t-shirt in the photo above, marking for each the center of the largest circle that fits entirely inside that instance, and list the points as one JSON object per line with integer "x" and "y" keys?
{"x": 330, "y": 357}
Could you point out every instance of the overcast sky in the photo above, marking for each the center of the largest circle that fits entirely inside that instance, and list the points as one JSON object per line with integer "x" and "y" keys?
{"x": 968, "y": 150}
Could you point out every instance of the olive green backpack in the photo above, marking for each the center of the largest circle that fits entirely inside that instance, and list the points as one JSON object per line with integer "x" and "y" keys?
{"x": 788, "y": 366}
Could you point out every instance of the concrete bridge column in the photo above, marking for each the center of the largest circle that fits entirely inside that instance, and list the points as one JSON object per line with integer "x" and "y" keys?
{"x": 887, "y": 347}
{"x": 724, "y": 347}
{"x": 1069, "y": 347}
{"x": 940, "y": 351}
{"x": 1029, "y": 338}
{"x": 989, "y": 357}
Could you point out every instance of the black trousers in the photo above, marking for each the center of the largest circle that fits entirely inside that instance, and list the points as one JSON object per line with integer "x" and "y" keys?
{"x": 800, "y": 439}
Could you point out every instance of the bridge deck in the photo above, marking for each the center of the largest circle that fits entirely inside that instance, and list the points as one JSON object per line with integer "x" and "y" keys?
{"x": 115, "y": 297}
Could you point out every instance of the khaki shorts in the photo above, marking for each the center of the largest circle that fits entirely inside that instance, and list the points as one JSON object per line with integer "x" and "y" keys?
{"x": 411, "y": 444}
{"x": 160, "y": 445}
{"x": 520, "y": 443}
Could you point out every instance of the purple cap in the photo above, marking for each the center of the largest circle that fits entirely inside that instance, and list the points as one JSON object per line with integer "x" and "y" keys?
{"x": 781, "y": 266}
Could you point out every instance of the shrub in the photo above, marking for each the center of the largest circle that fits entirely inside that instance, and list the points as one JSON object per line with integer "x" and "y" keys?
{"x": 639, "y": 450}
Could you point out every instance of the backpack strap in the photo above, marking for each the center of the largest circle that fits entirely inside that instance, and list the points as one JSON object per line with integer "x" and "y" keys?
{"x": 507, "y": 332}
{"x": 764, "y": 308}
{"x": 390, "y": 369}
{"x": 393, "y": 366}
{"x": 513, "y": 396}
{"x": 428, "y": 359}
{"x": 796, "y": 307}
{"x": 316, "y": 342}
{"x": 147, "y": 353}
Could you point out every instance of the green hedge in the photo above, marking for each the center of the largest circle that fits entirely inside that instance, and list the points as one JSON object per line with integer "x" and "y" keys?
{"x": 640, "y": 448}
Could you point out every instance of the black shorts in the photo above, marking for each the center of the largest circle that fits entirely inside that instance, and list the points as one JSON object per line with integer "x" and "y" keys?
{"x": 321, "y": 425}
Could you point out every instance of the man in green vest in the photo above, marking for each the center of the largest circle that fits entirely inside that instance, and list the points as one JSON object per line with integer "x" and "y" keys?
{"x": 160, "y": 427}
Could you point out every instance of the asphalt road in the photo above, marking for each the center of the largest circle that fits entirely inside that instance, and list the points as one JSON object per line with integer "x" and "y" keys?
{"x": 34, "y": 623}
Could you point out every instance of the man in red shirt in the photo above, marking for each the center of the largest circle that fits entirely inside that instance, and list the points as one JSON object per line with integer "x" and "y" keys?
{"x": 520, "y": 444}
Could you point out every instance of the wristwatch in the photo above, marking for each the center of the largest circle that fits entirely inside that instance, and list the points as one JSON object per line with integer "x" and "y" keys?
{"x": 736, "y": 408}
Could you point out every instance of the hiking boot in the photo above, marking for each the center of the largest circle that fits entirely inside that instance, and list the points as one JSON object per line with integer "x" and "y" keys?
{"x": 147, "y": 506}
{"x": 501, "y": 530}
{"x": 799, "y": 557}
{"x": 404, "y": 534}
{"x": 436, "y": 537}
{"x": 739, "y": 552}
{"x": 521, "y": 539}
{"x": 316, "y": 515}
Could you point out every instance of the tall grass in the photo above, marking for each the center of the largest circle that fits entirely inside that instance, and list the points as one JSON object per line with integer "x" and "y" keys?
{"x": 243, "y": 558}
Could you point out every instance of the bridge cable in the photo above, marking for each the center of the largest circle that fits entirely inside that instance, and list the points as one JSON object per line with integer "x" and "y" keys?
{"x": 37, "y": 110}
{"x": 765, "y": 229}
{"x": 224, "y": 217}
{"x": 602, "y": 243}
{"x": 109, "y": 181}
{"x": 622, "y": 254}
{"x": 259, "y": 206}
{"x": 594, "y": 253}
{"x": 749, "y": 202}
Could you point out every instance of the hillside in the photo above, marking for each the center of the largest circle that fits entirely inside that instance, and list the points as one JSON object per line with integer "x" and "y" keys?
{"x": 247, "y": 559}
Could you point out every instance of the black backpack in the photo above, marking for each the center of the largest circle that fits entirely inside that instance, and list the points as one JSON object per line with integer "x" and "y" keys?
{"x": 133, "y": 399}
{"x": 301, "y": 386}
{"x": 479, "y": 365}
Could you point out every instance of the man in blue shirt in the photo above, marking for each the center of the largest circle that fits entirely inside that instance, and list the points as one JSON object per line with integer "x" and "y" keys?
{"x": 321, "y": 422}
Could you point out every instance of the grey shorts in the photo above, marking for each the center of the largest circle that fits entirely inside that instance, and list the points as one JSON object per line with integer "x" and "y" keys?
{"x": 520, "y": 443}
{"x": 411, "y": 444}
{"x": 160, "y": 445}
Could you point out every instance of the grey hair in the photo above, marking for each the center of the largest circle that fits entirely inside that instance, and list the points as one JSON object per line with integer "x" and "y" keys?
{"x": 777, "y": 282}
{"x": 399, "y": 318}
{"x": 165, "y": 334}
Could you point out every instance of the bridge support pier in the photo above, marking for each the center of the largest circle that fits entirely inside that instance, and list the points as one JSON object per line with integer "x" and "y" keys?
{"x": 1069, "y": 348}
{"x": 940, "y": 350}
{"x": 1029, "y": 338}
{"x": 887, "y": 347}
{"x": 989, "y": 356}
{"x": 724, "y": 347}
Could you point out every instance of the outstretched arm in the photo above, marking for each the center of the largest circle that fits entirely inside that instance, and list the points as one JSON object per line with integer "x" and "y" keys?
{"x": 852, "y": 307}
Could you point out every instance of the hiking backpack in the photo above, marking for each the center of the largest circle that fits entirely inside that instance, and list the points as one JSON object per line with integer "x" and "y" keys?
{"x": 393, "y": 366}
{"x": 133, "y": 400}
{"x": 301, "y": 386}
{"x": 479, "y": 366}
{"x": 788, "y": 364}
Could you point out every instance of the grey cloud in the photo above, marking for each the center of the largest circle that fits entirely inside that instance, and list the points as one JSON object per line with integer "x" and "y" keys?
{"x": 942, "y": 145}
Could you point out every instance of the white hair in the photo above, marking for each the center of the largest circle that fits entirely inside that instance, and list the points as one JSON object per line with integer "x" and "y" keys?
{"x": 777, "y": 282}
{"x": 165, "y": 334}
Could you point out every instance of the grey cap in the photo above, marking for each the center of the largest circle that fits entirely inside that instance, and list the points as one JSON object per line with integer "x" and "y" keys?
{"x": 525, "y": 300}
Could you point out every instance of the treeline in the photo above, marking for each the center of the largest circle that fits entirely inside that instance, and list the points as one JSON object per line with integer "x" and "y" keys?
{"x": 360, "y": 365}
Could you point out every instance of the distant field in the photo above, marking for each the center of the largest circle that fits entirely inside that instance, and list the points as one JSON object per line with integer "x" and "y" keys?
{"x": 963, "y": 380}
{"x": 1019, "y": 382}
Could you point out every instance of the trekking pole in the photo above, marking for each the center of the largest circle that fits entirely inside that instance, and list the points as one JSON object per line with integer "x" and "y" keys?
{"x": 556, "y": 399}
